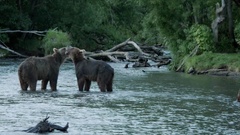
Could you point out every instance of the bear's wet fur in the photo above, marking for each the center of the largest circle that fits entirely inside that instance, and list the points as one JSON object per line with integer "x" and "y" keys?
{"x": 41, "y": 68}
{"x": 91, "y": 70}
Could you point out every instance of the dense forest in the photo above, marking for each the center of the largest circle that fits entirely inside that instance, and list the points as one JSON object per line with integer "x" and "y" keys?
{"x": 186, "y": 27}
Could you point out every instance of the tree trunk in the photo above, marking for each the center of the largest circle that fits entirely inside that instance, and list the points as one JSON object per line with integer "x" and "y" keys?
{"x": 231, "y": 25}
{"x": 220, "y": 17}
{"x": 222, "y": 24}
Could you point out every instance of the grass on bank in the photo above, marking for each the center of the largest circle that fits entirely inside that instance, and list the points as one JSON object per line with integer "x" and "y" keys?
{"x": 205, "y": 61}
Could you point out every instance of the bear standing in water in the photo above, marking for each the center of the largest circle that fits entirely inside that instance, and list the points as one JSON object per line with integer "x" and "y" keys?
{"x": 91, "y": 70}
{"x": 41, "y": 68}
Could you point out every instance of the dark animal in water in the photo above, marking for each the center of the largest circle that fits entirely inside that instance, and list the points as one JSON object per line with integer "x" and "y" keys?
{"x": 41, "y": 68}
{"x": 126, "y": 66}
{"x": 238, "y": 96}
{"x": 91, "y": 70}
{"x": 45, "y": 127}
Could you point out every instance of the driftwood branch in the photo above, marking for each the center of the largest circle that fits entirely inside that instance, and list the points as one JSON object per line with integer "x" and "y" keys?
{"x": 137, "y": 47}
{"x": 115, "y": 52}
{"x": 125, "y": 43}
{"x": 116, "y": 47}
{"x": 12, "y": 51}
{"x": 130, "y": 51}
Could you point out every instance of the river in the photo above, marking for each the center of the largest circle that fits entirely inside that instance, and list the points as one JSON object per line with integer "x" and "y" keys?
{"x": 156, "y": 101}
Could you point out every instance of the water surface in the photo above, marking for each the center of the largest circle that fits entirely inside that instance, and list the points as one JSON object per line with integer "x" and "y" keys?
{"x": 156, "y": 101}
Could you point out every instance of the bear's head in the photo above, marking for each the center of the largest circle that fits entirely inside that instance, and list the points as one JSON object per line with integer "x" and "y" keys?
{"x": 59, "y": 54}
{"x": 75, "y": 53}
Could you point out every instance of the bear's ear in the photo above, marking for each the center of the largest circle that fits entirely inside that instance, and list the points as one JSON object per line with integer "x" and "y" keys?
{"x": 55, "y": 50}
{"x": 81, "y": 50}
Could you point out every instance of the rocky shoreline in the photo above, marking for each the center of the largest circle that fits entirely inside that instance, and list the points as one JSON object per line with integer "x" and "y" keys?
{"x": 216, "y": 72}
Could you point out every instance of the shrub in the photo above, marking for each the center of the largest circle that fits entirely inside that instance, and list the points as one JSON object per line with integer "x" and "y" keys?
{"x": 55, "y": 39}
{"x": 200, "y": 35}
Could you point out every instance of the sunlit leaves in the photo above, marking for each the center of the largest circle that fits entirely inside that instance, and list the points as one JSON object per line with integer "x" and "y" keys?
{"x": 55, "y": 39}
{"x": 200, "y": 35}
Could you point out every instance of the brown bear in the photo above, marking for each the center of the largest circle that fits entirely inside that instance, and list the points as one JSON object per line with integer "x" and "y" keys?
{"x": 41, "y": 68}
{"x": 91, "y": 70}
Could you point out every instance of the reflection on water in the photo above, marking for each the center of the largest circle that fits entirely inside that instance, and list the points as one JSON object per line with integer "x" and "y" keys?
{"x": 156, "y": 101}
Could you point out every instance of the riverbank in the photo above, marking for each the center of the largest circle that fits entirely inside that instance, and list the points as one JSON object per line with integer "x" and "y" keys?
{"x": 221, "y": 64}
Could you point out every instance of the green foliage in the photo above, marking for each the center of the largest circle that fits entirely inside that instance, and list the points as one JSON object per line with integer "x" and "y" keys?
{"x": 11, "y": 17}
{"x": 97, "y": 24}
{"x": 200, "y": 35}
{"x": 180, "y": 25}
{"x": 173, "y": 23}
{"x": 184, "y": 24}
{"x": 55, "y": 39}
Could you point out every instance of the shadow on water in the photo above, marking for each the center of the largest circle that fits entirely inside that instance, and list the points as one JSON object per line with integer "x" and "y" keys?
{"x": 153, "y": 101}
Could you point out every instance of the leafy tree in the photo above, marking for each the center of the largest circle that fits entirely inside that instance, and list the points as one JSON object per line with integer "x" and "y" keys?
{"x": 184, "y": 24}
{"x": 181, "y": 25}
{"x": 96, "y": 24}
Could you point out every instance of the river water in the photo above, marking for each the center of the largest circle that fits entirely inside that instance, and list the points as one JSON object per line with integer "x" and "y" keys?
{"x": 156, "y": 101}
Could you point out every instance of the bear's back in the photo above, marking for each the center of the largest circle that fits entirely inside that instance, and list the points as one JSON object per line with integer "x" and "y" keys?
{"x": 93, "y": 67}
{"x": 36, "y": 65}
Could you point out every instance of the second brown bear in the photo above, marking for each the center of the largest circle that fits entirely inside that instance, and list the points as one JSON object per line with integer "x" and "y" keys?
{"x": 91, "y": 70}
